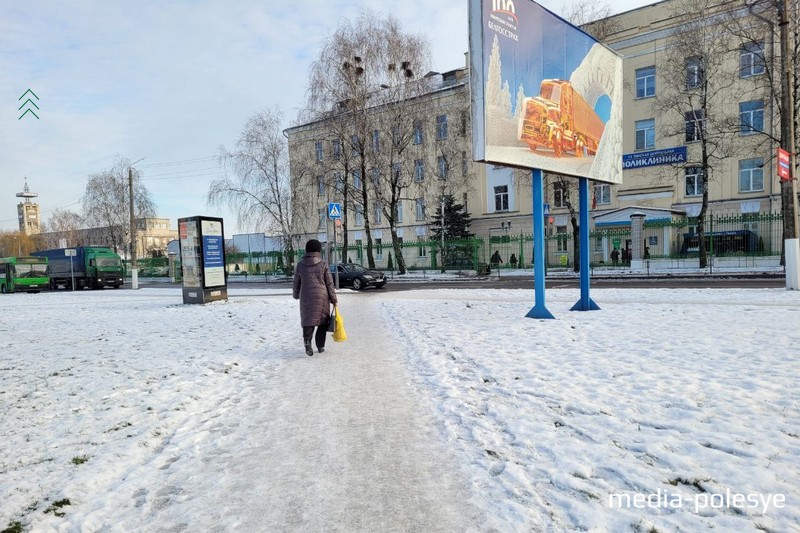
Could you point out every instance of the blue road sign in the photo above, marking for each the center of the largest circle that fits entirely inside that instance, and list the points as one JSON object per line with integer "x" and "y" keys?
{"x": 334, "y": 210}
{"x": 546, "y": 209}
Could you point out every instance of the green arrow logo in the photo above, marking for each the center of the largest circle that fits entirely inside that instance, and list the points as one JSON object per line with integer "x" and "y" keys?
{"x": 26, "y": 102}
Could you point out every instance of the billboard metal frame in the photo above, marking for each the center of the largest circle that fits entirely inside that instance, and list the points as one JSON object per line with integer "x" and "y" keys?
{"x": 558, "y": 130}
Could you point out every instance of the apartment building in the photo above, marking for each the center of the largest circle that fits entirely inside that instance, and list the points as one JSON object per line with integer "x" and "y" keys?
{"x": 435, "y": 159}
{"x": 709, "y": 77}
{"x": 664, "y": 122}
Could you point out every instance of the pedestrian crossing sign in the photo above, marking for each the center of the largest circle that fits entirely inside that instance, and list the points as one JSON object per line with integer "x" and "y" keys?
{"x": 334, "y": 210}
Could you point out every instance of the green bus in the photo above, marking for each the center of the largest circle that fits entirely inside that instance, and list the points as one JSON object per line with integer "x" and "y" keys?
{"x": 23, "y": 274}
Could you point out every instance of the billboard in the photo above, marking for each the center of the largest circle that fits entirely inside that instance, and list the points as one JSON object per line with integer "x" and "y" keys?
{"x": 544, "y": 94}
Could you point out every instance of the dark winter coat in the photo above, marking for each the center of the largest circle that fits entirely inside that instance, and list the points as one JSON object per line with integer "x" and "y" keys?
{"x": 313, "y": 286}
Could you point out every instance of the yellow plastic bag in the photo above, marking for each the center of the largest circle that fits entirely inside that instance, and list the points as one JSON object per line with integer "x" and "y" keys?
{"x": 339, "y": 334}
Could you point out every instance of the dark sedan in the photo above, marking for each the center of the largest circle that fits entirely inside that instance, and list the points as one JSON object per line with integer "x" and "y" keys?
{"x": 357, "y": 277}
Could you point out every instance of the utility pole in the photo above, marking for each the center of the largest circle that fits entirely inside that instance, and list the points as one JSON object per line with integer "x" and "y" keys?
{"x": 788, "y": 101}
{"x": 791, "y": 232}
{"x": 134, "y": 269}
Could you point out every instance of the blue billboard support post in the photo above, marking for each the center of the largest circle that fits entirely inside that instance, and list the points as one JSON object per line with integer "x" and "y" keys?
{"x": 585, "y": 303}
{"x": 539, "y": 310}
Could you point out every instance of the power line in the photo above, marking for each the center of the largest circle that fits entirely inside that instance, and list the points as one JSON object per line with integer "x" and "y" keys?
{"x": 173, "y": 163}
{"x": 180, "y": 172}
{"x": 183, "y": 177}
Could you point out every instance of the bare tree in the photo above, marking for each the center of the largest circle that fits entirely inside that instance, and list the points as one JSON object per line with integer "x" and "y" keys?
{"x": 595, "y": 19}
{"x": 454, "y": 171}
{"x": 756, "y": 26}
{"x": 260, "y": 191}
{"x": 63, "y": 224}
{"x": 362, "y": 85}
{"x": 695, "y": 96}
{"x": 106, "y": 202}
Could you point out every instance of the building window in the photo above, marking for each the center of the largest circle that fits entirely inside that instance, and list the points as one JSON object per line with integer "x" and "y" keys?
{"x": 398, "y": 212}
{"x": 751, "y": 117}
{"x": 417, "y": 132}
{"x": 419, "y": 170}
{"x": 376, "y": 141}
{"x": 602, "y": 193}
{"x": 379, "y": 249}
{"x": 339, "y": 182}
{"x": 751, "y": 59}
{"x": 695, "y": 74}
{"x": 357, "y": 179}
{"x": 501, "y": 198}
{"x": 422, "y": 249}
{"x": 322, "y": 216}
{"x": 320, "y": 185}
{"x": 420, "y": 208}
{"x": 336, "y": 148}
{"x": 396, "y": 136}
{"x": 645, "y": 134}
{"x": 359, "y": 215}
{"x": 359, "y": 250}
{"x": 356, "y": 145}
{"x": 376, "y": 177}
{"x": 318, "y": 149}
{"x": 645, "y": 82}
{"x": 444, "y": 168}
{"x": 377, "y": 213}
{"x": 441, "y": 127}
{"x": 464, "y": 163}
{"x": 561, "y": 238}
{"x": 751, "y": 175}
{"x": 693, "y": 122}
{"x": 463, "y": 122}
{"x": 694, "y": 181}
{"x": 598, "y": 244}
{"x": 559, "y": 195}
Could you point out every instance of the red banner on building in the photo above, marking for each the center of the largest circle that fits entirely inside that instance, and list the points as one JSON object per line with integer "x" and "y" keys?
{"x": 783, "y": 165}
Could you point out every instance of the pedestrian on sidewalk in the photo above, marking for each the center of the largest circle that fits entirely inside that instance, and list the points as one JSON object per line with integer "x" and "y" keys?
{"x": 313, "y": 286}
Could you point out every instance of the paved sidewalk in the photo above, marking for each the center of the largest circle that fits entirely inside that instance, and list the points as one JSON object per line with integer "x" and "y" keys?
{"x": 345, "y": 444}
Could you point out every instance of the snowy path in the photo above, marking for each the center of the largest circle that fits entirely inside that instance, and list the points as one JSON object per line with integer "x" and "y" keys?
{"x": 155, "y": 416}
{"x": 345, "y": 446}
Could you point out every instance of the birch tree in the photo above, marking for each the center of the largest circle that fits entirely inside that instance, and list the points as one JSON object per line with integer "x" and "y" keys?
{"x": 63, "y": 224}
{"x": 106, "y": 202}
{"x": 259, "y": 187}
{"x": 695, "y": 96}
{"x": 756, "y": 29}
{"x": 363, "y": 80}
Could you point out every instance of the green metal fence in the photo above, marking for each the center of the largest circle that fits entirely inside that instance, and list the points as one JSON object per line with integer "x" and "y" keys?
{"x": 743, "y": 236}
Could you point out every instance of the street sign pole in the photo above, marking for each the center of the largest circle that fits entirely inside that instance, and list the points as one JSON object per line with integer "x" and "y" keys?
{"x": 70, "y": 252}
{"x": 335, "y": 215}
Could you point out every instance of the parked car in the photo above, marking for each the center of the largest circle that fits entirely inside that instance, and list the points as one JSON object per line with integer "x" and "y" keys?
{"x": 357, "y": 277}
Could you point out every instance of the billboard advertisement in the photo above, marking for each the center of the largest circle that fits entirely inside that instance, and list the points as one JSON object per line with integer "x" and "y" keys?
{"x": 544, "y": 94}
{"x": 202, "y": 248}
{"x": 213, "y": 250}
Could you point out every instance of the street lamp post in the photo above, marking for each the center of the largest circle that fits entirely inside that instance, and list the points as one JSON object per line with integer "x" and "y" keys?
{"x": 134, "y": 269}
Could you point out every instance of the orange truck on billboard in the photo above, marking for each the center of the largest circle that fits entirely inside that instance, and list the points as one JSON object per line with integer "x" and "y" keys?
{"x": 560, "y": 119}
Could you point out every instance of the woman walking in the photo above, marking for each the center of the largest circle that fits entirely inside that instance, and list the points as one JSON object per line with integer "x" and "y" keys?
{"x": 313, "y": 286}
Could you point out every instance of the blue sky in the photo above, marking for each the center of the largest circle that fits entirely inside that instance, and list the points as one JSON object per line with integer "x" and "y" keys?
{"x": 170, "y": 82}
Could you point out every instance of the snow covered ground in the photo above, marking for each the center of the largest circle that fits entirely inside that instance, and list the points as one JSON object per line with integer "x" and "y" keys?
{"x": 446, "y": 410}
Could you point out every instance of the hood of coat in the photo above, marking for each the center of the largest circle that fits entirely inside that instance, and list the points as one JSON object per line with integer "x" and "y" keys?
{"x": 312, "y": 258}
